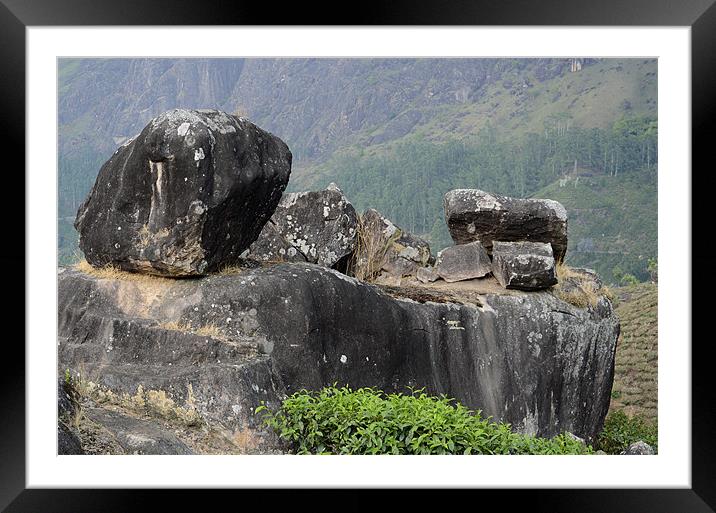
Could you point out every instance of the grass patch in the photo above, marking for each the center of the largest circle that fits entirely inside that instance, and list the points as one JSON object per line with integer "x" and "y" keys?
{"x": 111, "y": 272}
{"x": 367, "y": 421}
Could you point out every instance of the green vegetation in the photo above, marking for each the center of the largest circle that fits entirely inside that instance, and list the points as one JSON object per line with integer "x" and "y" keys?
{"x": 620, "y": 431}
{"x": 636, "y": 365}
{"x": 366, "y": 421}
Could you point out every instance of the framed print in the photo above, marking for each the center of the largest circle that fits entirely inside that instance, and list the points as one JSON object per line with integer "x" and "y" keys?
{"x": 201, "y": 287}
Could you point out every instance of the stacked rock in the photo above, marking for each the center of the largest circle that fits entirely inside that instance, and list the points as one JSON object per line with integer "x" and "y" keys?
{"x": 518, "y": 240}
{"x": 322, "y": 227}
{"x": 198, "y": 190}
{"x": 186, "y": 196}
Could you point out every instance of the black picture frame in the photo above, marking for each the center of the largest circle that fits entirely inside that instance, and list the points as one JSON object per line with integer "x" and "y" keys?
{"x": 700, "y": 15}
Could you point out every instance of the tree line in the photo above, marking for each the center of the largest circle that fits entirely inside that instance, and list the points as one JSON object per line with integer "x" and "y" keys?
{"x": 408, "y": 183}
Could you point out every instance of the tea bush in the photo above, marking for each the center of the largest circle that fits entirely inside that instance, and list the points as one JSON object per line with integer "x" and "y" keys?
{"x": 368, "y": 421}
{"x": 620, "y": 431}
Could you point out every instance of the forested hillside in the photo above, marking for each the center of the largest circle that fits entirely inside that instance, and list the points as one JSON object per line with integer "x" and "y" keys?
{"x": 396, "y": 134}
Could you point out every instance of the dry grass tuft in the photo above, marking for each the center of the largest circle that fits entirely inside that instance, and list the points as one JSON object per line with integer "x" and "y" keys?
{"x": 230, "y": 270}
{"x": 370, "y": 252}
{"x": 111, "y": 272}
{"x": 177, "y": 326}
{"x": 245, "y": 440}
{"x": 576, "y": 288}
{"x": 208, "y": 330}
{"x": 153, "y": 402}
{"x": 564, "y": 272}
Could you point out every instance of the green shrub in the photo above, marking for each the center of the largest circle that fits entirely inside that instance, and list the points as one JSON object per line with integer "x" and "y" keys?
{"x": 620, "y": 431}
{"x": 367, "y": 421}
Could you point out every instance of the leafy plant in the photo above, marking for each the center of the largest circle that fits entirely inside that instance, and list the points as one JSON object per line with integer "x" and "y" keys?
{"x": 368, "y": 421}
{"x": 620, "y": 431}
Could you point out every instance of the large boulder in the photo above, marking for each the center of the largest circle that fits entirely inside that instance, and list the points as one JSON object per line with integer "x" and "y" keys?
{"x": 523, "y": 265}
{"x": 319, "y": 227}
{"x": 529, "y": 359}
{"x": 463, "y": 262}
{"x": 186, "y": 196}
{"x": 384, "y": 249}
{"x": 472, "y": 214}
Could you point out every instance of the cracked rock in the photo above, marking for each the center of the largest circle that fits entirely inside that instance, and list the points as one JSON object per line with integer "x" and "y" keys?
{"x": 523, "y": 265}
{"x": 319, "y": 227}
{"x": 472, "y": 214}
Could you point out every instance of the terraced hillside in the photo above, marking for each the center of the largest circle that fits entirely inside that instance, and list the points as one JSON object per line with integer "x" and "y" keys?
{"x": 635, "y": 376}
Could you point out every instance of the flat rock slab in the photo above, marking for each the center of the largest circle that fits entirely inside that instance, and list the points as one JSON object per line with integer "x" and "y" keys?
{"x": 527, "y": 358}
{"x": 472, "y": 214}
{"x": 523, "y": 265}
{"x": 137, "y": 436}
{"x": 319, "y": 227}
{"x": 186, "y": 196}
{"x": 463, "y": 262}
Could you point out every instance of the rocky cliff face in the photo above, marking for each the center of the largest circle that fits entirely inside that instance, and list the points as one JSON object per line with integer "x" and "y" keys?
{"x": 231, "y": 341}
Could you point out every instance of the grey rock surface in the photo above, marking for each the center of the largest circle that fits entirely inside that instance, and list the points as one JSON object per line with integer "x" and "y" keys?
{"x": 319, "y": 227}
{"x": 137, "y": 436}
{"x": 472, "y": 214}
{"x": 523, "y": 265}
{"x": 463, "y": 262}
{"x": 427, "y": 274}
{"x": 526, "y": 358}
{"x": 67, "y": 441}
{"x": 186, "y": 196}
